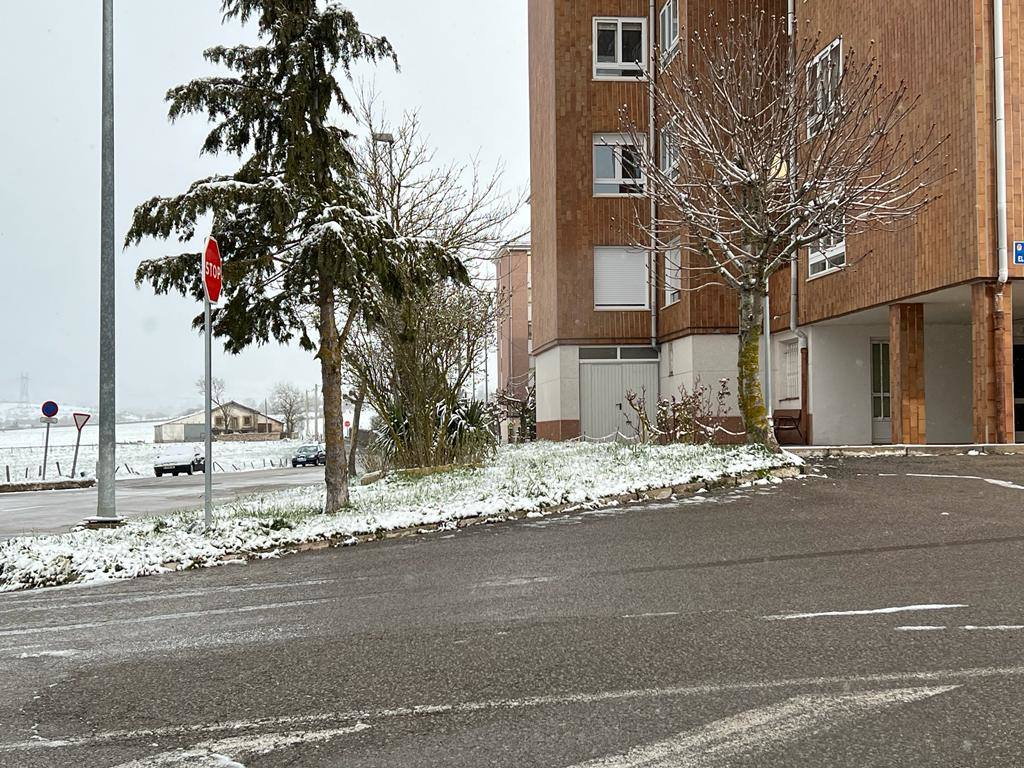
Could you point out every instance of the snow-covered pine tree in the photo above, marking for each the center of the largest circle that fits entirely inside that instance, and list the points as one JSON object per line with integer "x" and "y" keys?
{"x": 304, "y": 251}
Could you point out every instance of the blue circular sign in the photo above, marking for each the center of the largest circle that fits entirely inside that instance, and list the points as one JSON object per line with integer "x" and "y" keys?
{"x": 50, "y": 409}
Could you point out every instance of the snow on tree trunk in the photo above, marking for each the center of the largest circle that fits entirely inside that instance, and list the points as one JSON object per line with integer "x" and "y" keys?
{"x": 336, "y": 471}
{"x": 751, "y": 396}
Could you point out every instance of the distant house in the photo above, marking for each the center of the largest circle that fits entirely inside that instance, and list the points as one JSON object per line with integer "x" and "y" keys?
{"x": 232, "y": 421}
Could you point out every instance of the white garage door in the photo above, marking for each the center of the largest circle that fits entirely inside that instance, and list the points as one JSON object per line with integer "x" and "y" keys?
{"x": 603, "y": 388}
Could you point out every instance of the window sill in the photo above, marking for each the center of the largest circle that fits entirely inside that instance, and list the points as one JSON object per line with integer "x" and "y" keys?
{"x": 637, "y": 78}
{"x": 598, "y": 195}
{"x": 622, "y": 309}
{"x": 825, "y": 273}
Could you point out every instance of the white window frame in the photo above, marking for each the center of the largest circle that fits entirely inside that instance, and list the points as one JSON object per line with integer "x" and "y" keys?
{"x": 634, "y": 68}
{"x": 643, "y": 258}
{"x": 615, "y": 141}
{"x": 673, "y": 275}
{"x": 831, "y": 253}
{"x": 668, "y": 161}
{"x": 668, "y": 30}
{"x": 822, "y": 112}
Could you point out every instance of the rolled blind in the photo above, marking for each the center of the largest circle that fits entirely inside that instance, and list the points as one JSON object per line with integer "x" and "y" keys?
{"x": 620, "y": 278}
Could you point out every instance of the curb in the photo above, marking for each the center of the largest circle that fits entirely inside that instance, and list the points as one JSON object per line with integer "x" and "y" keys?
{"x": 873, "y": 451}
{"x": 652, "y": 494}
{"x": 60, "y": 485}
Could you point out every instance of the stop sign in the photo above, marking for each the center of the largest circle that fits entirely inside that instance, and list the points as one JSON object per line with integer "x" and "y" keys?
{"x": 212, "y": 271}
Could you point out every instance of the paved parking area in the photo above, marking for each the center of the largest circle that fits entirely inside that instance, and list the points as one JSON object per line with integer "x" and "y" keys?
{"x": 870, "y": 615}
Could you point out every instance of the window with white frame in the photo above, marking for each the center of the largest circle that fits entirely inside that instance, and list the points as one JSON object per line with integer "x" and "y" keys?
{"x": 668, "y": 151}
{"x": 790, "y": 371}
{"x": 673, "y": 275}
{"x": 621, "y": 278}
{"x": 620, "y": 47}
{"x": 668, "y": 29}
{"x": 827, "y": 255}
{"x": 618, "y": 166}
{"x": 824, "y": 75}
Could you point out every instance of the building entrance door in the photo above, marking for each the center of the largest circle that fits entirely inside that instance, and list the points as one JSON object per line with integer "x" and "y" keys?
{"x": 881, "y": 394}
{"x": 603, "y": 388}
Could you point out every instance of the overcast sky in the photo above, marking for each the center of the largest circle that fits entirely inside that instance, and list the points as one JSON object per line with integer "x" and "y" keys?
{"x": 463, "y": 69}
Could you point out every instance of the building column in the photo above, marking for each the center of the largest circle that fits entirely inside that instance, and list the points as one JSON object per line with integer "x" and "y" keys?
{"x": 906, "y": 364}
{"x": 558, "y": 393}
{"x": 992, "y": 337}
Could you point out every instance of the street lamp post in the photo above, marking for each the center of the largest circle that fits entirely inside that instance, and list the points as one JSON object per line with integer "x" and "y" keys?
{"x": 106, "y": 508}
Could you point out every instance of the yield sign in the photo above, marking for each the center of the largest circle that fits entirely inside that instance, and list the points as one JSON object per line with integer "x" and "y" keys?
{"x": 212, "y": 271}
{"x": 81, "y": 419}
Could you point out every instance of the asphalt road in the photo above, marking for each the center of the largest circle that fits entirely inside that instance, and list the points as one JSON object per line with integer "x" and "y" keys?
{"x": 54, "y": 511}
{"x": 731, "y": 632}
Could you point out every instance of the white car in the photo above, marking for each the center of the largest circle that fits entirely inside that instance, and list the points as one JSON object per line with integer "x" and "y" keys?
{"x": 174, "y": 461}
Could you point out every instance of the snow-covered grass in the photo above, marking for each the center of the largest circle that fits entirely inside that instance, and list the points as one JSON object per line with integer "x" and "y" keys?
{"x": 519, "y": 480}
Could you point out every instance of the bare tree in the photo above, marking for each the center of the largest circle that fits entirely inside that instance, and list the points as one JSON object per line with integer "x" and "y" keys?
{"x": 415, "y": 363}
{"x": 766, "y": 148}
{"x": 217, "y": 395}
{"x": 287, "y": 401}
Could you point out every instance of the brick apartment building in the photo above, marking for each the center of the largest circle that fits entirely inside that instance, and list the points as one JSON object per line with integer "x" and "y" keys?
{"x": 515, "y": 331}
{"x": 886, "y": 337}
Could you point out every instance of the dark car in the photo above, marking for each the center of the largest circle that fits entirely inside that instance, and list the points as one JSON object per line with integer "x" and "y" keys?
{"x": 309, "y": 456}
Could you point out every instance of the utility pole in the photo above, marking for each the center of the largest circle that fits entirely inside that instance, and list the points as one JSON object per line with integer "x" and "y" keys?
{"x": 305, "y": 415}
{"x": 106, "y": 507}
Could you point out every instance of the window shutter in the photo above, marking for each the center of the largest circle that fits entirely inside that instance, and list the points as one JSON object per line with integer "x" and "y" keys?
{"x": 620, "y": 278}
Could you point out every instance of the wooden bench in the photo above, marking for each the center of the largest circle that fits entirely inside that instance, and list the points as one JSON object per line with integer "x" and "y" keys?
{"x": 789, "y": 420}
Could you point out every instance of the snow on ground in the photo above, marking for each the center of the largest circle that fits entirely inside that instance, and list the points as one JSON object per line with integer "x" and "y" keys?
{"x": 519, "y": 479}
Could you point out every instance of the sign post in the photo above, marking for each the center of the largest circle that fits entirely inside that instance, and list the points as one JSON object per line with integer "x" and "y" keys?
{"x": 81, "y": 419}
{"x": 50, "y": 410}
{"x": 211, "y": 290}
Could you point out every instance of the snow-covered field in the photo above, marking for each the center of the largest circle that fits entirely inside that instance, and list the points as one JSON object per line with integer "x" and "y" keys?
{"x": 21, "y": 451}
{"x": 520, "y": 479}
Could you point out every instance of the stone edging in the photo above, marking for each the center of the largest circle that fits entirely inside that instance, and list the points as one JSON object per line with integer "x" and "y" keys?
{"x": 872, "y": 451}
{"x": 652, "y": 494}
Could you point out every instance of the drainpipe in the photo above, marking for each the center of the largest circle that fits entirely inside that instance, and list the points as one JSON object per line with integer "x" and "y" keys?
{"x": 999, "y": 315}
{"x": 794, "y": 265}
{"x": 652, "y": 148}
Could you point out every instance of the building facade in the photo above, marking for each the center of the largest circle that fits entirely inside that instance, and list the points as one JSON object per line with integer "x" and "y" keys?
{"x": 904, "y": 336}
{"x": 512, "y": 266}
{"x": 231, "y": 421}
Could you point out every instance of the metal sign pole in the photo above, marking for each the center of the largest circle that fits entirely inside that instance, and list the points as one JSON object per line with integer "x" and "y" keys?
{"x": 46, "y": 449}
{"x": 74, "y": 462}
{"x": 208, "y": 467}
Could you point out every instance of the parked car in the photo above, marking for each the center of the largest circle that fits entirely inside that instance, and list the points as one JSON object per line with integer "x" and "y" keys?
{"x": 174, "y": 461}
{"x": 309, "y": 455}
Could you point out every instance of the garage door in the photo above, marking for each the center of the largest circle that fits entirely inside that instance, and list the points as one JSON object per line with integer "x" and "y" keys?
{"x": 603, "y": 388}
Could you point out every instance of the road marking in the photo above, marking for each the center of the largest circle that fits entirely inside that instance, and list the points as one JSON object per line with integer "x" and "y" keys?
{"x": 989, "y": 480}
{"x": 54, "y": 602}
{"x": 214, "y": 754}
{"x": 165, "y": 617}
{"x": 995, "y": 628}
{"x": 868, "y": 612}
{"x": 920, "y": 628}
{"x": 650, "y": 615}
{"x": 758, "y": 730}
{"x": 570, "y": 699}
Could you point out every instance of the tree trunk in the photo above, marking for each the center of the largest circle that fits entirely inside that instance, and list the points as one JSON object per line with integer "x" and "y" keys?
{"x": 336, "y": 471}
{"x": 751, "y": 397}
{"x": 357, "y": 412}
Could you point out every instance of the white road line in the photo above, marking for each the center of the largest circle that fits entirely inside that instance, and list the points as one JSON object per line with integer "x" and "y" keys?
{"x": 650, "y": 615}
{"x": 989, "y": 480}
{"x": 868, "y": 612}
{"x": 165, "y": 617}
{"x": 328, "y": 718}
{"x": 995, "y": 628}
{"x": 122, "y": 598}
{"x": 757, "y": 730}
{"x": 214, "y": 754}
{"x": 920, "y": 628}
